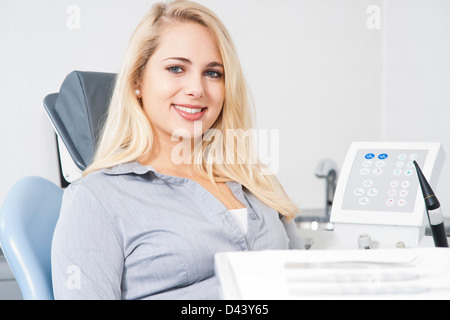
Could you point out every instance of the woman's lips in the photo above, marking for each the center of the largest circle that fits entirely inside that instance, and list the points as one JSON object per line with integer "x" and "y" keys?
{"x": 189, "y": 112}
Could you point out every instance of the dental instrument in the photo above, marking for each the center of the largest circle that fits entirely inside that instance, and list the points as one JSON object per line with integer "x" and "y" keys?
{"x": 434, "y": 211}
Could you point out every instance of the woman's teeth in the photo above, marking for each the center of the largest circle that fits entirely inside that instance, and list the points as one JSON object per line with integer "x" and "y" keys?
{"x": 188, "y": 110}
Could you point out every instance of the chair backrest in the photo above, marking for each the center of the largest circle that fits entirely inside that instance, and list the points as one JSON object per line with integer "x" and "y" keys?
{"x": 27, "y": 220}
{"x": 78, "y": 111}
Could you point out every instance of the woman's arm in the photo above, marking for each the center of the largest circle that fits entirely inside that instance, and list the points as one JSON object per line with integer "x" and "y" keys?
{"x": 87, "y": 253}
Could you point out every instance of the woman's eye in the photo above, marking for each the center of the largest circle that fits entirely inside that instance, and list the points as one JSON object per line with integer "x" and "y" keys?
{"x": 213, "y": 74}
{"x": 175, "y": 69}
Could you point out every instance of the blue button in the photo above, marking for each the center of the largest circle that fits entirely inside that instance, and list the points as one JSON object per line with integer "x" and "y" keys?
{"x": 369, "y": 156}
{"x": 382, "y": 156}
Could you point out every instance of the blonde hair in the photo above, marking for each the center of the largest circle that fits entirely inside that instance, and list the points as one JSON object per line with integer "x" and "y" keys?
{"x": 127, "y": 133}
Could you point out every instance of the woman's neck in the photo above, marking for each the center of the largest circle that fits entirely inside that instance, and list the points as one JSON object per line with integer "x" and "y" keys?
{"x": 170, "y": 157}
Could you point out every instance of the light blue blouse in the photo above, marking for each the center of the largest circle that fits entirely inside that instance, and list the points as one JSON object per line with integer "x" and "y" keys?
{"x": 130, "y": 232}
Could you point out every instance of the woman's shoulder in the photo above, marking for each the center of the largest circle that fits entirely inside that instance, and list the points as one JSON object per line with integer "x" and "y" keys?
{"x": 101, "y": 188}
{"x": 108, "y": 181}
{"x": 111, "y": 174}
{"x": 91, "y": 181}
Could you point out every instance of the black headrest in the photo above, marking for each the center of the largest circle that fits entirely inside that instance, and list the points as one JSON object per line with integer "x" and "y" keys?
{"x": 79, "y": 110}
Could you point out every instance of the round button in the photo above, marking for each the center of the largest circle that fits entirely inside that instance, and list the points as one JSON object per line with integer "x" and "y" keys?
{"x": 369, "y": 156}
{"x": 401, "y": 202}
{"x": 402, "y": 157}
{"x": 372, "y": 192}
{"x": 390, "y": 202}
{"x": 364, "y": 171}
{"x": 403, "y": 193}
{"x": 367, "y": 163}
{"x": 368, "y": 183}
{"x": 380, "y": 163}
{"x": 394, "y": 184}
{"x": 382, "y": 156}
{"x": 359, "y": 191}
{"x": 405, "y": 184}
{"x": 392, "y": 193}
{"x": 399, "y": 164}
{"x": 363, "y": 201}
{"x": 377, "y": 171}
{"x": 408, "y": 172}
{"x": 397, "y": 172}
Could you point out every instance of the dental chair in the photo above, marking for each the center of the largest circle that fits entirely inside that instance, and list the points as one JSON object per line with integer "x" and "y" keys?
{"x": 77, "y": 114}
{"x": 30, "y": 211}
{"x": 27, "y": 220}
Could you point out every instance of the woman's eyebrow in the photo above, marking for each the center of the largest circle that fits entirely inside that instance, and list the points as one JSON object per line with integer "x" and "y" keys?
{"x": 186, "y": 60}
{"x": 214, "y": 64}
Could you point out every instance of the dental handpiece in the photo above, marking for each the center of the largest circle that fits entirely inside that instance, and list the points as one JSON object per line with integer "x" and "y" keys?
{"x": 434, "y": 211}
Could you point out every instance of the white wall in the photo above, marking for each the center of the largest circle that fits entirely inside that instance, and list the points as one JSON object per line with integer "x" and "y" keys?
{"x": 316, "y": 71}
{"x": 416, "y": 103}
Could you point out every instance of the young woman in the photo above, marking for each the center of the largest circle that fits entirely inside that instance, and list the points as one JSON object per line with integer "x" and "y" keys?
{"x": 169, "y": 187}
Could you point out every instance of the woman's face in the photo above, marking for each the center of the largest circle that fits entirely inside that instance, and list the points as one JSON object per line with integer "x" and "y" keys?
{"x": 183, "y": 82}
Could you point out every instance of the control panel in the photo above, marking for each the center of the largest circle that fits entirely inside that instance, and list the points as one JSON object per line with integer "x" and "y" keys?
{"x": 378, "y": 183}
{"x": 383, "y": 180}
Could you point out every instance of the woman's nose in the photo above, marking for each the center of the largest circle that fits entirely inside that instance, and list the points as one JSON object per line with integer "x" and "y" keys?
{"x": 194, "y": 88}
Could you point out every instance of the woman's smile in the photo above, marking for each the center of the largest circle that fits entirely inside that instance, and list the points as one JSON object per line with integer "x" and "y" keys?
{"x": 189, "y": 112}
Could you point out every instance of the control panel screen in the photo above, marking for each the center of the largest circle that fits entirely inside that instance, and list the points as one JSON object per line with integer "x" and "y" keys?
{"x": 383, "y": 180}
